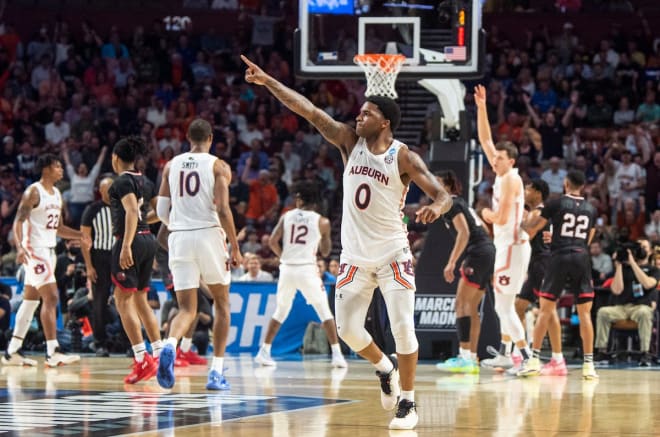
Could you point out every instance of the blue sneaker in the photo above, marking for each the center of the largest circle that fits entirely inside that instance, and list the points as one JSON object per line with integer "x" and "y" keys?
{"x": 217, "y": 381}
{"x": 165, "y": 373}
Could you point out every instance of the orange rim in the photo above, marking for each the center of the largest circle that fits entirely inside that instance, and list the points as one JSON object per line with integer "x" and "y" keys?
{"x": 385, "y": 62}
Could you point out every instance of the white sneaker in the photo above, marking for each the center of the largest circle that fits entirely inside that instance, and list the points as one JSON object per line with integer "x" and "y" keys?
{"x": 531, "y": 367}
{"x": 339, "y": 361}
{"x": 498, "y": 362}
{"x": 60, "y": 359}
{"x": 17, "y": 359}
{"x": 406, "y": 416}
{"x": 264, "y": 358}
{"x": 389, "y": 386}
{"x": 588, "y": 371}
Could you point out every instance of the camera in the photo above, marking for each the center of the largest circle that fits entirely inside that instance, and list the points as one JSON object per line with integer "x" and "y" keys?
{"x": 635, "y": 248}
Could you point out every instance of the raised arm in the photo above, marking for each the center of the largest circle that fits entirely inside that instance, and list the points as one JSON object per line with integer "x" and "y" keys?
{"x": 532, "y": 113}
{"x": 67, "y": 162}
{"x": 326, "y": 240}
{"x": 29, "y": 200}
{"x": 99, "y": 161}
{"x": 483, "y": 125}
{"x": 568, "y": 115}
{"x": 222, "y": 174}
{"x": 412, "y": 168}
{"x": 339, "y": 134}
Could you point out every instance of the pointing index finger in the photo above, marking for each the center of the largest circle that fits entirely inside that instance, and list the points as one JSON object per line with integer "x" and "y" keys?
{"x": 247, "y": 61}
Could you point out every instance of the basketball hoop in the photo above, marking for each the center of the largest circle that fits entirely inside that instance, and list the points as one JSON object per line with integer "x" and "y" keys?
{"x": 381, "y": 71}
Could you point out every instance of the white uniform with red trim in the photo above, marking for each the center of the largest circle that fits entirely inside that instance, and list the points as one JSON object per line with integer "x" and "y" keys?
{"x": 298, "y": 270}
{"x": 40, "y": 237}
{"x": 197, "y": 242}
{"x": 512, "y": 249}
{"x": 375, "y": 248}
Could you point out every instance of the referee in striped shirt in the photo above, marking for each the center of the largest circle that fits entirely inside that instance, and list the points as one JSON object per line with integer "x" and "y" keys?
{"x": 97, "y": 225}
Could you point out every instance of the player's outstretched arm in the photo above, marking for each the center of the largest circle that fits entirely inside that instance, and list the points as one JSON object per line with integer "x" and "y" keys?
{"x": 413, "y": 168}
{"x": 339, "y": 134}
{"x": 29, "y": 200}
{"x": 483, "y": 125}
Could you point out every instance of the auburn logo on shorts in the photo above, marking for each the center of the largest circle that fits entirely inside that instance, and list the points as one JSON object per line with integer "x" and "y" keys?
{"x": 39, "y": 269}
{"x": 504, "y": 280}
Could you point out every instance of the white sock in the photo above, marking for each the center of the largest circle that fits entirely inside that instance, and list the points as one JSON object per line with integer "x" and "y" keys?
{"x": 336, "y": 349}
{"x": 266, "y": 347}
{"x": 51, "y": 345}
{"x": 384, "y": 365}
{"x": 464, "y": 353}
{"x": 559, "y": 357}
{"x": 473, "y": 356}
{"x": 217, "y": 364}
{"x": 24, "y": 317}
{"x": 156, "y": 347}
{"x": 186, "y": 344}
{"x": 409, "y": 395}
{"x": 171, "y": 341}
{"x": 139, "y": 351}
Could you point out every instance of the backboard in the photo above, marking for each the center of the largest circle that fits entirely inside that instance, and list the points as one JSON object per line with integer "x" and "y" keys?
{"x": 440, "y": 38}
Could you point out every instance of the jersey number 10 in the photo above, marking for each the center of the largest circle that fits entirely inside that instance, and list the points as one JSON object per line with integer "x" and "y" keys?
{"x": 188, "y": 183}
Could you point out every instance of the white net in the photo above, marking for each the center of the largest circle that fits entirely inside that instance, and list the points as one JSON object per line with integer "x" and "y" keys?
{"x": 381, "y": 71}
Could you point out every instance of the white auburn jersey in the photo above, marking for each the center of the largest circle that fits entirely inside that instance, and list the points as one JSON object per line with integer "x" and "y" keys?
{"x": 40, "y": 229}
{"x": 191, "y": 192}
{"x": 300, "y": 237}
{"x": 510, "y": 232}
{"x": 372, "y": 228}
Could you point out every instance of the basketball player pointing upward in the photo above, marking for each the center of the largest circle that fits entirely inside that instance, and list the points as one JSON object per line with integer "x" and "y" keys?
{"x": 512, "y": 249}
{"x": 375, "y": 250}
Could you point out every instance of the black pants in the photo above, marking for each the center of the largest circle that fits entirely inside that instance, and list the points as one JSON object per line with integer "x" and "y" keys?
{"x": 101, "y": 313}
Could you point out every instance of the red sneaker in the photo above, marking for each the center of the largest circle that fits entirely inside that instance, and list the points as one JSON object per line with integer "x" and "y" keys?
{"x": 193, "y": 358}
{"x": 142, "y": 371}
{"x": 180, "y": 360}
{"x": 555, "y": 368}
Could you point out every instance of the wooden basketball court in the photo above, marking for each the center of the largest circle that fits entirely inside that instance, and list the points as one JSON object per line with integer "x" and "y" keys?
{"x": 309, "y": 398}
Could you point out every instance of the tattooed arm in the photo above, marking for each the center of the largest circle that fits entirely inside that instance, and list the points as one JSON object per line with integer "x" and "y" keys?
{"x": 29, "y": 200}
{"x": 339, "y": 134}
